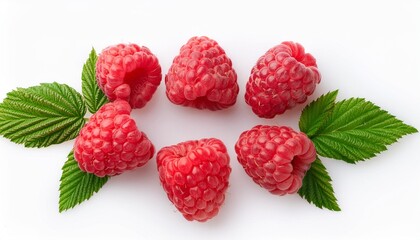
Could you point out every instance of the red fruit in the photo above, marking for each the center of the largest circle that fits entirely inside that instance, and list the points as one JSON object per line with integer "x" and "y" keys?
{"x": 128, "y": 72}
{"x": 110, "y": 142}
{"x": 276, "y": 158}
{"x": 195, "y": 176}
{"x": 202, "y": 76}
{"x": 283, "y": 77}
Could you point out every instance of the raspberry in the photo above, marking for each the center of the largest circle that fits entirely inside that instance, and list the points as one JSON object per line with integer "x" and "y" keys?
{"x": 128, "y": 72}
{"x": 276, "y": 158}
{"x": 202, "y": 76}
{"x": 195, "y": 176}
{"x": 110, "y": 142}
{"x": 283, "y": 77}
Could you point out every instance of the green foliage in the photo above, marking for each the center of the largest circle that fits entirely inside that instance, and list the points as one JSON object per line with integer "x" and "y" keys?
{"x": 317, "y": 189}
{"x": 42, "y": 115}
{"x": 314, "y": 115}
{"x": 93, "y": 95}
{"x": 77, "y": 186}
{"x": 351, "y": 130}
{"x": 357, "y": 130}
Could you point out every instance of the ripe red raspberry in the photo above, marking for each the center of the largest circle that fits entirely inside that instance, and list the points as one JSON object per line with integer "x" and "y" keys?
{"x": 110, "y": 142}
{"x": 202, "y": 76}
{"x": 195, "y": 176}
{"x": 128, "y": 72}
{"x": 283, "y": 77}
{"x": 276, "y": 158}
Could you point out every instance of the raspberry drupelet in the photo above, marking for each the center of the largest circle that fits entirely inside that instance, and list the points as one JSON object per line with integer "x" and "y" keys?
{"x": 195, "y": 176}
{"x": 283, "y": 77}
{"x": 128, "y": 72}
{"x": 110, "y": 143}
{"x": 276, "y": 158}
{"x": 202, "y": 76}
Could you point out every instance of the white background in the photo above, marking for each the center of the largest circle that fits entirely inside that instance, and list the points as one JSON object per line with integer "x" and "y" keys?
{"x": 366, "y": 49}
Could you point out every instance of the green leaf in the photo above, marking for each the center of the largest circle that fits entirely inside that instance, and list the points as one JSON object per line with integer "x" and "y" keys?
{"x": 317, "y": 189}
{"x": 315, "y": 114}
{"x": 357, "y": 130}
{"x": 77, "y": 186}
{"x": 93, "y": 95}
{"x": 42, "y": 115}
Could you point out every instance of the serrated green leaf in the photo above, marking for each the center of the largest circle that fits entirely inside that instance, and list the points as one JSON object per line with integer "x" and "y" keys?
{"x": 317, "y": 188}
{"x": 314, "y": 115}
{"x": 39, "y": 116}
{"x": 93, "y": 95}
{"x": 357, "y": 130}
{"x": 77, "y": 186}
